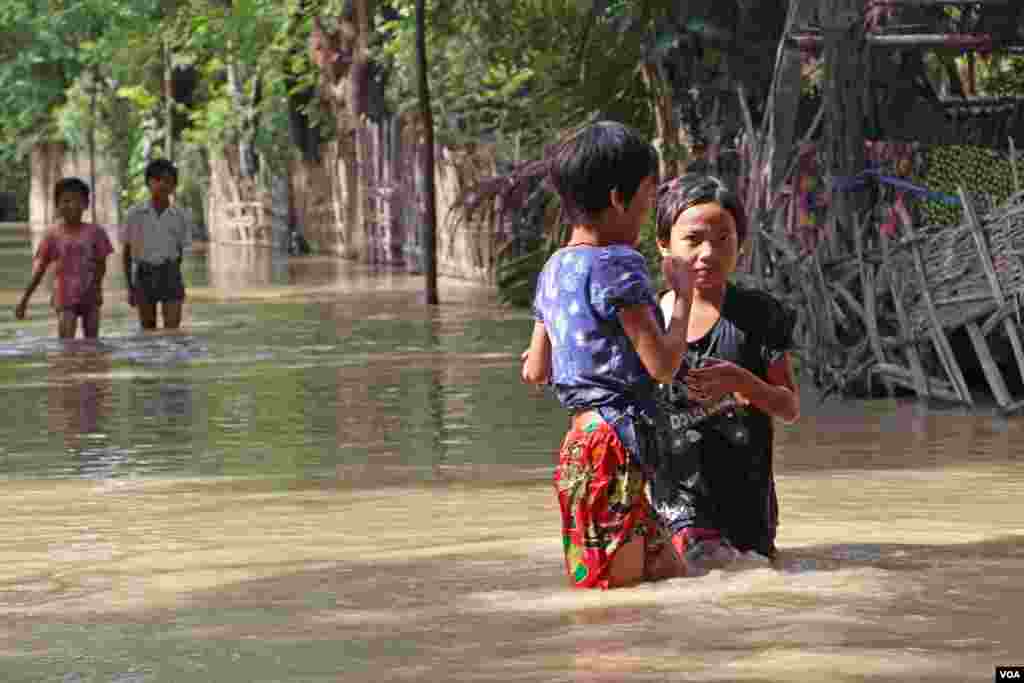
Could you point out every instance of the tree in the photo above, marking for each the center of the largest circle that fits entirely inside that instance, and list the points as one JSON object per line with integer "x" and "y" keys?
{"x": 430, "y": 213}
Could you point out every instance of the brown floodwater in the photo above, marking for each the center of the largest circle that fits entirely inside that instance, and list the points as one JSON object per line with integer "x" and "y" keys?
{"x": 319, "y": 479}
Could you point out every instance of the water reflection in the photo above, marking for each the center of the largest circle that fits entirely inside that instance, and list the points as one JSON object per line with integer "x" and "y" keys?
{"x": 233, "y": 269}
{"x": 436, "y": 407}
{"x": 79, "y": 397}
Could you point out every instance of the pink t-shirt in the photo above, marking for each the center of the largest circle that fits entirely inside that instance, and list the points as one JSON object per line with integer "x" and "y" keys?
{"x": 75, "y": 256}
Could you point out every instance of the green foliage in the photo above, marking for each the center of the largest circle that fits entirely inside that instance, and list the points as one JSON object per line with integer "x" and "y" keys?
{"x": 517, "y": 276}
{"x": 1001, "y": 76}
{"x": 14, "y": 178}
{"x": 46, "y": 47}
{"x": 55, "y": 54}
{"x": 520, "y": 71}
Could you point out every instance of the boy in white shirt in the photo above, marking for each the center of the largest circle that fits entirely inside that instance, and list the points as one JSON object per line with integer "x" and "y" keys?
{"x": 156, "y": 236}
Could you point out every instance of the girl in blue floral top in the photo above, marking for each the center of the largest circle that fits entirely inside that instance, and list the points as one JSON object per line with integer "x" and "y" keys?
{"x": 599, "y": 339}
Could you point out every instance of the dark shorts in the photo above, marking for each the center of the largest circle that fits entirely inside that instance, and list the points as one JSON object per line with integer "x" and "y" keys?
{"x": 159, "y": 283}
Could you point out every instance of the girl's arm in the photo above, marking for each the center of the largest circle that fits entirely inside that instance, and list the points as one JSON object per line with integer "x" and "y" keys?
{"x": 101, "y": 272}
{"x": 778, "y": 396}
{"x": 38, "y": 271}
{"x": 537, "y": 364}
{"x": 662, "y": 353}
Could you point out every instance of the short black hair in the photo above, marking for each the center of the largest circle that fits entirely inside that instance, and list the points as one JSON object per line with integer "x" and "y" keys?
{"x": 596, "y": 159}
{"x": 160, "y": 168}
{"x": 65, "y": 185}
{"x": 679, "y": 194}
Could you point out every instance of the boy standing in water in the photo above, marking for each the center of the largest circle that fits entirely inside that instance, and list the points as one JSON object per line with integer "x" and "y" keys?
{"x": 79, "y": 251}
{"x": 599, "y": 337}
{"x": 157, "y": 235}
{"x": 715, "y": 490}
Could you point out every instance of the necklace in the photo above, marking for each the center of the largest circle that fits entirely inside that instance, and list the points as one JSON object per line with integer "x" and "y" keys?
{"x": 701, "y": 356}
{"x": 582, "y": 244}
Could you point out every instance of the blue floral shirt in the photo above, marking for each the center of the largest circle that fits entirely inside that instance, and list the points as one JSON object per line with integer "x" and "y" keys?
{"x": 593, "y": 363}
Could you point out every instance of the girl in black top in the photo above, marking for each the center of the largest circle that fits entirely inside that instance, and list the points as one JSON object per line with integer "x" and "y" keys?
{"x": 714, "y": 487}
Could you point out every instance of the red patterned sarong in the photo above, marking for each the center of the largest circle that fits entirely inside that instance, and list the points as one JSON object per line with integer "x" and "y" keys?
{"x": 603, "y": 500}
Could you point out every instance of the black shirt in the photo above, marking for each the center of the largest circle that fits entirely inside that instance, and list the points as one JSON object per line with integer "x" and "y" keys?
{"x": 715, "y": 469}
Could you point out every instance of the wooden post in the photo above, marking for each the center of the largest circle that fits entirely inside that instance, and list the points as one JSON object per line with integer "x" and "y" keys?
{"x": 430, "y": 222}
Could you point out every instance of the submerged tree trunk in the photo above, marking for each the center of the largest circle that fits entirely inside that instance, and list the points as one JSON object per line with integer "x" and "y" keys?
{"x": 342, "y": 56}
{"x": 429, "y": 194}
{"x": 248, "y": 107}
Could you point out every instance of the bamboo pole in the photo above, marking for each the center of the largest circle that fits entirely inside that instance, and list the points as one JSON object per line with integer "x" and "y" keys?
{"x": 914, "y": 358}
{"x": 904, "y": 377}
{"x": 947, "y": 3}
{"x": 958, "y": 41}
{"x": 985, "y": 255}
{"x": 1003, "y": 312}
{"x": 937, "y": 332}
{"x": 989, "y": 366}
{"x": 1013, "y": 166}
{"x": 867, "y": 287}
{"x": 829, "y": 337}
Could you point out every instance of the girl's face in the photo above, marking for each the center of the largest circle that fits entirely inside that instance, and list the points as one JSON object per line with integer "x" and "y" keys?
{"x": 705, "y": 236}
{"x": 71, "y": 206}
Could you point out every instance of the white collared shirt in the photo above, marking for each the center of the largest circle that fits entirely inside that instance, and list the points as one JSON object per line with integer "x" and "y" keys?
{"x": 155, "y": 238}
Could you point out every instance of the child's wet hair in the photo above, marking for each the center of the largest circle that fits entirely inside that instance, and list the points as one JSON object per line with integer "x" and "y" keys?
{"x": 65, "y": 185}
{"x": 161, "y": 168}
{"x": 679, "y": 194}
{"x": 596, "y": 159}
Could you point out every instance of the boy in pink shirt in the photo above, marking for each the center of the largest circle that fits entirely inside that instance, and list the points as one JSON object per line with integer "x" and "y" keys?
{"x": 79, "y": 251}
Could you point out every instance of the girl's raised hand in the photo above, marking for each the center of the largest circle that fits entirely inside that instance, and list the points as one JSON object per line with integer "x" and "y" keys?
{"x": 678, "y": 275}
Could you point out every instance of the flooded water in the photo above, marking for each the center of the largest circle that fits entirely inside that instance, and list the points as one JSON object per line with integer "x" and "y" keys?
{"x": 318, "y": 479}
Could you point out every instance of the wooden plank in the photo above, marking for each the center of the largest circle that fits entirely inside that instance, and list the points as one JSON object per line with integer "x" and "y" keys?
{"x": 988, "y": 365}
